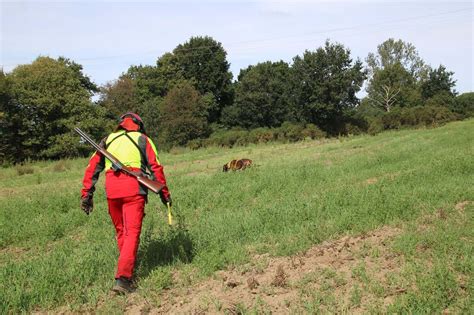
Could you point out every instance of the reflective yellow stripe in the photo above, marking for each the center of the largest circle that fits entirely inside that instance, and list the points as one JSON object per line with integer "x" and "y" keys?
{"x": 154, "y": 150}
{"x": 123, "y": 149}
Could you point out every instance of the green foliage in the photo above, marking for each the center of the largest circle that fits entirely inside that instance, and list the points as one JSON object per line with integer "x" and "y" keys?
{"x": 227, "y": 138}
{"x": 353, "y": 129}
{"x": 47, "y": 99}
{"x": 9, "y": 121}
{"x": 325, "y": 83}
{"x": 259, "y": 135}
{"x": 390, "y": 87}
{"x": 464, "y": 104}
{"x": 375, "y": 126}
{"x": 287, "y": 132}
{"x": 42, "y": 102}
{"x": 150, "y": 81}
{"x": 202, "y": 60}
{"x": 86, "y": 82}
{"x": 442, "y": 99}
{"x": 434, "y": 115}
{"x": 149, "y": 111}
{"x": 420, "y": 116}
{"x": 395, "y": 72}
{"x": 119, "y": 97}
{"x": 261, "y": 97}
{"x": 184, "y": 115}
{"x": 440, "y": 81}
{"x": 291, "y": 132}
{"x": 392, "y": 52}
{"x": 400, "y": 78}
{"x": 312, "y": 131}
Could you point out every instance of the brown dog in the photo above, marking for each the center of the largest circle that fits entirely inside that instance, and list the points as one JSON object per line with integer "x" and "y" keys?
{"x": 235, "y": 165}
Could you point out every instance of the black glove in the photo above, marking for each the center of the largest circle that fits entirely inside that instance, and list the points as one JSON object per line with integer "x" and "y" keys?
{"x": 87, "y": 204}
{"x": 165, "y": 200}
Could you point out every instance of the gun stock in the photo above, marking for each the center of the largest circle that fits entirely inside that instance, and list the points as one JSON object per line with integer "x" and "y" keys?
{"x": 153, "y": 185}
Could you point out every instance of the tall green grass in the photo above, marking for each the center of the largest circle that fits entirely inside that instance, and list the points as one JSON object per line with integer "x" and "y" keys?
{"x": 297, "y": 195}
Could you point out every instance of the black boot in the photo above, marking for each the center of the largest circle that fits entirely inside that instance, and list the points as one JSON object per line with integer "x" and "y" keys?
{"x": 122, "y": 286}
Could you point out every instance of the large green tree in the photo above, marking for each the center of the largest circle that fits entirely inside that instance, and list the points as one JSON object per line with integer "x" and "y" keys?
{"x": 119, "y": 97}
{"x": 325, "y": 83}
{"x": 439, "y": 81}
{"x": 48, "y": 98}
{"x": 153, "y": 81}
{"x": 261, "y": 97}
{"x": 9, "y": 122}
{"x": 395, "y": 74}
{"x": 391, "y": 86}
{"x": 392, "y": 52}
{"x": 140, "y": 90}
{"x": 464, "y": 104}
{"x": 183, "y": 115}
{"x": 202, "y": 60}
{"x": 86, "y": 82}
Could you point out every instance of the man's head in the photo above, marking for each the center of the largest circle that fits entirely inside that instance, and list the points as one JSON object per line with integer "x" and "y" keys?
{"x": 131, "y": 122}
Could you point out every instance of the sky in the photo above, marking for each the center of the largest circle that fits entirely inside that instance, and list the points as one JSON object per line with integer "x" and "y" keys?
{"x": 107, "y": 37}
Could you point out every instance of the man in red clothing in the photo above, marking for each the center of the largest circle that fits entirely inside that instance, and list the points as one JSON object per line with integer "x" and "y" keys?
{"x": 126, "y": 197}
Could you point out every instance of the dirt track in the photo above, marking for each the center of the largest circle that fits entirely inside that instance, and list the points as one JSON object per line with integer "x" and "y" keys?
{"x": 284, "y": 284}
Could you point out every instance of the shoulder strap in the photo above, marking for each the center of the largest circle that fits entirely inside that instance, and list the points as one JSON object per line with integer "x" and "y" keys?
{"x": 143, "y": 155}
{"x": 136, "y": 145}
{"x": 107, "y": 144}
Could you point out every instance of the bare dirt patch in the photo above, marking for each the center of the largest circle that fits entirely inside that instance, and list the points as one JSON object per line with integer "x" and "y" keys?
{"x": 371, "y": 181}
{"x": 460, "y": 206}
{"x": 332, "y": 274}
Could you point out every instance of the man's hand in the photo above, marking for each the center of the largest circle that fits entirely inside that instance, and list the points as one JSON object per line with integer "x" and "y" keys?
{"x": 165, "y": 199}
{"x": 87, "y": 204}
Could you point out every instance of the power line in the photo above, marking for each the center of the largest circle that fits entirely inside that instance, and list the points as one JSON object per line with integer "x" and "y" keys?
{"x": 260, "y": 41}
{"x": 330, "y": 30}
{"x": 298, "y": 37}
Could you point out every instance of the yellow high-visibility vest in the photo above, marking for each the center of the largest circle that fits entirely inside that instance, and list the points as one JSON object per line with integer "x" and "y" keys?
{"x": 123, "y": 149}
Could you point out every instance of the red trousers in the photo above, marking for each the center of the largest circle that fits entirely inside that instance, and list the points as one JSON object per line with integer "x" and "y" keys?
{"x": 127, "y": 215}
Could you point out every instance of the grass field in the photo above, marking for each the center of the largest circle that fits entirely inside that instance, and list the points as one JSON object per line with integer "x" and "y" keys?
{"x": 54, "y": 258}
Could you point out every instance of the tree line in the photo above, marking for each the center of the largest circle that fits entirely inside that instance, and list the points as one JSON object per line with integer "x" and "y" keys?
{"x": 189, "y": 98}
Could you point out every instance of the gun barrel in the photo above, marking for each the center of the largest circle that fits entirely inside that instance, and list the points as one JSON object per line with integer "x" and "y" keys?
{"x": 87, "y": 138}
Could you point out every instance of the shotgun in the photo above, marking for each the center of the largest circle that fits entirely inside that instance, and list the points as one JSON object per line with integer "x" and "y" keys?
{"x": 153, "y": 185}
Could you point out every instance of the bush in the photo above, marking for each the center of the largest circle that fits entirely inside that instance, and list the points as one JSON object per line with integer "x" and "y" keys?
{"x": 441, "y": 100}
{"x": 392, "y": 120}
{"x": 287, "y": 132}
{"x": 464, "y": 105}
{"x": 227, "y": 138}
{"x": 290, "y": 132}
{"x": 375, "y": 126}
{"x": 433, "y": 115}
{"x": 441, "y": 115}
{"x": 261, "y": 135}
{"x": 408, "y": 117}
{"x": 312, "y": 131}
{"x": 194, "y": 144}
{"x": 184, "y": 114}
{"x": 351, "y": 129}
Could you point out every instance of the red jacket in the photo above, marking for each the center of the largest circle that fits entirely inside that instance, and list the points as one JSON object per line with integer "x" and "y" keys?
{"x": 136, "y": 151}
